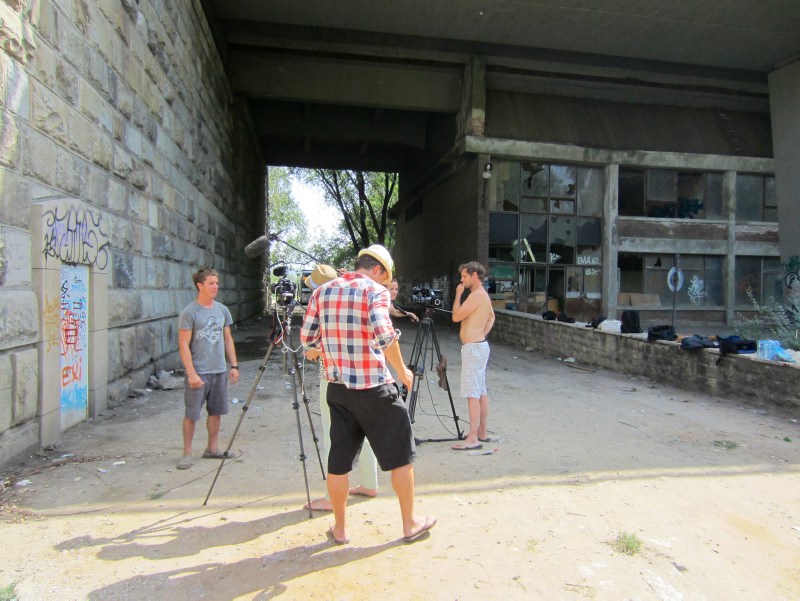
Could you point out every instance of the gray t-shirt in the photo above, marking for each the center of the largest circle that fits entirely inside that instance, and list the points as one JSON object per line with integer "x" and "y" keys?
{"x": 208, "y": 342}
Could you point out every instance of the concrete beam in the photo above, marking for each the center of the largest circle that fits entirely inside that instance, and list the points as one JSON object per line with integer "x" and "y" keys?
{"x": 545, "y": 151}
{"x": 329, "y": 81}
{"x": 324, "y": 122}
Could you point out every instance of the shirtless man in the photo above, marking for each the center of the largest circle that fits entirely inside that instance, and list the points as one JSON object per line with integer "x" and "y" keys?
{"x": 477, "y": 318}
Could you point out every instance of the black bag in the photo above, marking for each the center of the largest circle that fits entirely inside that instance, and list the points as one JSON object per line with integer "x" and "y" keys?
{"x": 549, "y": 315}
{"x": 561, "y": 316}
{"x": 735, "y": 345}
{"x": 691, "y": 343}
{"x": 661, "y": 333}
{"x": 630, "y": 322}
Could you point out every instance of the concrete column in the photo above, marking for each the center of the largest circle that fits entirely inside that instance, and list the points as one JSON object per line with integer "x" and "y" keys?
{"x": 729, "y": 266}
{"x": 610, "y": 241}
{"x": 472, "y": 116}
{"x": 784, "y": 102}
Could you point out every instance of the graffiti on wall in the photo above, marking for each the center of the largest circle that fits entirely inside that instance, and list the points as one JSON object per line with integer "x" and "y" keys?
{"x": 74, "y": 338}
{"x": 74, "y": 235}
{"x": 792, "y": 271}
{"x": 696, "y": 290}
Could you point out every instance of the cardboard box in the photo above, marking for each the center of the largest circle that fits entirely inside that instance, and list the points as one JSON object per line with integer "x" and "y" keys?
{"x": 498, "y": 304}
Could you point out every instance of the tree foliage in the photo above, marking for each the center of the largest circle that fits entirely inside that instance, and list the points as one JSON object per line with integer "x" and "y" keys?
{"x": 363, "y": 200}
{"x": 285, "y": 219}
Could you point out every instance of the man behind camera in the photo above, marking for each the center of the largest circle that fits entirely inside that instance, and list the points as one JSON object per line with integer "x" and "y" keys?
{"x": 349, "y": 318}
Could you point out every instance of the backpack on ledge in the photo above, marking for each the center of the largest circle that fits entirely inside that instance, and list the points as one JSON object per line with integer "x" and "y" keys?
{"x": 661, "y": 333}
{"x": 630, "y": 322}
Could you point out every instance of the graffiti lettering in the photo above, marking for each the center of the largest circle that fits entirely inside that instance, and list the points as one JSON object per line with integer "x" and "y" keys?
{"x": 791, "y": 278}
{"x": 75, "y": 237}
{"x": 696, "y": 290}
{"x": 592, "y": 271}
{"x": 72, "y": 373}
{"x": 588, "y": 260}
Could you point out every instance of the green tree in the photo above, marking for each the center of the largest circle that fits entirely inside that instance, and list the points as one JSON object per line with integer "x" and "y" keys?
{"x": 363, "y": 199}
{"x": 286, "y": 220}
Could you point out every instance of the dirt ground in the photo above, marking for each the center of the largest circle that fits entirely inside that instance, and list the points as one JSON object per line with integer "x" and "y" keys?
{"x": 709, "y": 487}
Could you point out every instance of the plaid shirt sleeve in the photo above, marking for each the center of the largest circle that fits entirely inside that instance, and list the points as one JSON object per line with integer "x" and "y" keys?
{"x": 310, "y": 335}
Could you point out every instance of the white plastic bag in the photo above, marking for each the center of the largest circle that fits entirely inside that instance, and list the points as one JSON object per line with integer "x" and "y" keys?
{"x": 611, "y": 325}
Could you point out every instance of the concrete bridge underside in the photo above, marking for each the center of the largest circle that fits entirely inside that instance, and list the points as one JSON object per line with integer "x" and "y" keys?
{"x": 134, "y": 138}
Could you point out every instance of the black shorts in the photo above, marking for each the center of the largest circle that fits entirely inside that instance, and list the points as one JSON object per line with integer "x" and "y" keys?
{"x": 380, "y": 415}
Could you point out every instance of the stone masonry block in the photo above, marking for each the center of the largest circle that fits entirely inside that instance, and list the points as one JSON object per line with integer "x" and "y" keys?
{"x": 17, "y": 38}
{"x": 25, "y": 390}
{"x": 42, "y": 17}
{"x": 9, "y": 140}
{"x": 114, "y": 365}
{"x": 49, "y": 114}
{"x": 71, "y": 173}
{"x": 15, "y": 257}
{"x": 14, "y": 88}
{"x": 127, "y": 349}
{"x": 124, "y": 306}
{"x": 44, "y": 65}
{"x": 67, "y": 81}
{"x": 73, "y": 46}
{"x": 148, "y": 343}
{"x": 102, "y": 149}
{"x": 39, "y": 156}
{"x": 81, "y": 134}
{"x": 18, "y": 322}
{"x": 15, "y": 200}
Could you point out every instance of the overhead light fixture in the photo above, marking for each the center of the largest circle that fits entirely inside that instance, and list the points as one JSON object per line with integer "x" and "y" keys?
{"x": 487, "y": 171}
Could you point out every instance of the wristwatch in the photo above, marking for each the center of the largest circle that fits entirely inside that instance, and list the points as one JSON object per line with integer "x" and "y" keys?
{"x": 234, "y": 367}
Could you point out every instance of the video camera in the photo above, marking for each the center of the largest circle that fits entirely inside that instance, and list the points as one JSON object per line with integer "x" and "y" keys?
{"x": 426, "y": 298}
{"x": 284, "y": 289}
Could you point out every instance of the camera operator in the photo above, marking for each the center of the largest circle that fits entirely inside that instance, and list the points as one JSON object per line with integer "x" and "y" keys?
{"x": 349, "y": 318}
{"x": 367, "y": 463}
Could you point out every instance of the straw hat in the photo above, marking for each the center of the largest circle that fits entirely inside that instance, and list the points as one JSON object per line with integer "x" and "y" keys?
{"x": 378, "y": 252}
{"x": 321, "y": 275}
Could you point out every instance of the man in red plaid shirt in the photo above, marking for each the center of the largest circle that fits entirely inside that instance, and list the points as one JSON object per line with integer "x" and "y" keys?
{"x": 347, "y": 320}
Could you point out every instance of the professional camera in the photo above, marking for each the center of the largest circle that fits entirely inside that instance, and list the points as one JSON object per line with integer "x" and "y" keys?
{"x": 284, "y": 289}
{"x": 426, "y": 297}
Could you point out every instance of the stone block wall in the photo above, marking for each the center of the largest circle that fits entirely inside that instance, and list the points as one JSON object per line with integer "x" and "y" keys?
{"x": 122, "y": 109}
{"x": 737, "y": 376}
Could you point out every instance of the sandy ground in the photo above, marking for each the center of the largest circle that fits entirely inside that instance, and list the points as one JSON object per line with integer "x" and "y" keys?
{"x": 709, "y": 487}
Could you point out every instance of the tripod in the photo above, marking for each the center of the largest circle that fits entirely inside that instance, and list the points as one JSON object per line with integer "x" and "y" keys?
{"x": 283, "y": 337}
{"x": 426, "y": 334}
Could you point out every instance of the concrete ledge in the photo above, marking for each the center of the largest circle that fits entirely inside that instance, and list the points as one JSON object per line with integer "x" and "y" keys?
{"x": 742, "y": 377}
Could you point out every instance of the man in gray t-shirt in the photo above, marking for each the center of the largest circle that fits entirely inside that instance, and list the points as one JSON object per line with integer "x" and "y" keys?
{"x": 204, "y": 338}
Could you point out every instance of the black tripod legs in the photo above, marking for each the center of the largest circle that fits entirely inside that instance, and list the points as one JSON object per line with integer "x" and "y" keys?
{"x": 426, "y": 334}
{"x": 245, "y": 407}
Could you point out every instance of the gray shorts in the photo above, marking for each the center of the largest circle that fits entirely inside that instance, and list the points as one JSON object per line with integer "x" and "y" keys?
{"x": 213, "y": 392}
{"x": 474, "y": 358}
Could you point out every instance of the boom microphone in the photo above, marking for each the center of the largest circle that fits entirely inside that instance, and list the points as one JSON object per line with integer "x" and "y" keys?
{"x": 257, "y": 247}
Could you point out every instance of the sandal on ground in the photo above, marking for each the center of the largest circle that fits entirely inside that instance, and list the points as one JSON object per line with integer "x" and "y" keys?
{"x": 213, "y": 455}
{"x": 185, "y": 463}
